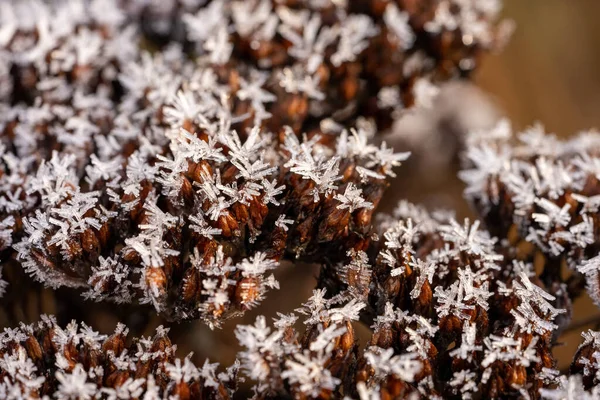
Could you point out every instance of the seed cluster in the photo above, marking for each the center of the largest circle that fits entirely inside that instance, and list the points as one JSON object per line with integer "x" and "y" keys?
{"x": 480, "y": 324}
{"x": 173, "y": 154}
{"x": 179, "y": 177}
{"x": 451, "y": 318}
{"x": 75, "y": 362}
{"x": 542, "y": 191}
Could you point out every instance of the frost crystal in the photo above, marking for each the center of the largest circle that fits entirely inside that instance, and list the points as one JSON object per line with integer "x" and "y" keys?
{"x": 352, "y": 200}
{"x": 405, "y": 366}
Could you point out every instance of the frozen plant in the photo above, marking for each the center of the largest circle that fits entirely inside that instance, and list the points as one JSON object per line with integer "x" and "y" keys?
{"x": 169, "y": 156}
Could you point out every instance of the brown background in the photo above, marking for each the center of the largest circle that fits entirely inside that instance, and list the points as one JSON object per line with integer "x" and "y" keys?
{"x": 550, "y": 70}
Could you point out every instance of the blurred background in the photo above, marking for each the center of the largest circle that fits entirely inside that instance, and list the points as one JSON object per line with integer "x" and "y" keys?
{"x": 550, "y": 69}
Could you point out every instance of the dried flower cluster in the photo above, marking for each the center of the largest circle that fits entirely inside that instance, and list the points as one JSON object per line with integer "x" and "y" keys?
{"x": 180, "y": 182}
{"x": 481, "y": 325}
{"x": 43, "y": 360}
{"x": 544, "y": 192}
{"x": 173, "y": 154}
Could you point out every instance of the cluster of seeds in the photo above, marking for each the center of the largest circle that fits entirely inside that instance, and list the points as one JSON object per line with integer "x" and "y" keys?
{"x": 192, "y": 224}
{"x": 451, "y": 318}
{"x": 540, "y": 195}
{"x": 179, "y": 177}
{"x": 46, "y": 361}
{"x": 481, "y": 324}
{"x": 174, "y": 154}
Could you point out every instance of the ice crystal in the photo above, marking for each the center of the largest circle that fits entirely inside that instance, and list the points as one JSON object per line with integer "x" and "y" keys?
{"x": 404, "y": 366}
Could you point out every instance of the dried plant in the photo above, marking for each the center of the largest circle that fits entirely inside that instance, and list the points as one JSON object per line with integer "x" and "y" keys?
{"x": 541, "y": 191}
{"x": 78, "y": 363}
{"x": 173, "y": 154}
